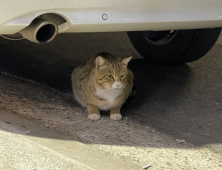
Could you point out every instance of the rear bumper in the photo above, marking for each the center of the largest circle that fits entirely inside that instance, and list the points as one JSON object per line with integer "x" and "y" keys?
{"x": 132, "y": 19}
{"x": 138, "y": 20}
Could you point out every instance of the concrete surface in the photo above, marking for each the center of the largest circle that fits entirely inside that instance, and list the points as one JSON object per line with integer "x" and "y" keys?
{"x": 174, "y": 122}
{"x": 25, "y": 145}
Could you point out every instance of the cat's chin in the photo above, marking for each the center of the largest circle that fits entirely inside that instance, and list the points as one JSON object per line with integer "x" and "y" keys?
{"x": 115, "y": 89}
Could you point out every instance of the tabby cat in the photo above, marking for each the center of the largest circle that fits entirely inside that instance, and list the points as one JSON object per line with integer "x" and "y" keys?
{"x": 103, "y": 83}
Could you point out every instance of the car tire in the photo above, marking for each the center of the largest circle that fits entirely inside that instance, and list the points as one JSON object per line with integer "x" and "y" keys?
{"x": 180, "y": 47}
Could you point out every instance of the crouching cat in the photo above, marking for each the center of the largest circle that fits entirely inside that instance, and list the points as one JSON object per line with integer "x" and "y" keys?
{"x": 103, "y": 83}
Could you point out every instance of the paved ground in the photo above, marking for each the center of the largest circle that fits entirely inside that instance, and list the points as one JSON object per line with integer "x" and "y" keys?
{"x": 25, "y": 145}
{"x": 181, "y": 102}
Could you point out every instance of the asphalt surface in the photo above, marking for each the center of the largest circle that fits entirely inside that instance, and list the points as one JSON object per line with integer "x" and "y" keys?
{"x": 181, "y": 101}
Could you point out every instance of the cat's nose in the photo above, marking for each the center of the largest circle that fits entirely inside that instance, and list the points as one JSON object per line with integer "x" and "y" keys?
{"x": 117, "y": 85}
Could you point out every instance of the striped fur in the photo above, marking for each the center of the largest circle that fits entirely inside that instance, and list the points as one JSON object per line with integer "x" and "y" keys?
{"x": 103, "y": 83}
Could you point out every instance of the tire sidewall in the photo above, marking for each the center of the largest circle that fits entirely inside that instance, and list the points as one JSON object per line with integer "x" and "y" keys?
{"x": 187, "y": 46}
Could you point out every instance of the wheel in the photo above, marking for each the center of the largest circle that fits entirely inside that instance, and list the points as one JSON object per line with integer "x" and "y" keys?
{"x": 174, "y": 47}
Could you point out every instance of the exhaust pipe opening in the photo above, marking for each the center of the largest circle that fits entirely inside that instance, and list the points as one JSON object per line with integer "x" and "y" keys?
{"x": 46, "y": 33}
{"x": 40, "y": 31}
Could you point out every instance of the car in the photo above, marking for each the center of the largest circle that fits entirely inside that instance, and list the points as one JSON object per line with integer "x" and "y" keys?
{"x": 165, "y": 32}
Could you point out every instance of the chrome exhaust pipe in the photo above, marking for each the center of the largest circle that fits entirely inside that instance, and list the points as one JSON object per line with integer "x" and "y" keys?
{"x": 40, "y": 31}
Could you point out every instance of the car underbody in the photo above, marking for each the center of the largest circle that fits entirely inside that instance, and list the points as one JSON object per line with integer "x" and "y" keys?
{"x": 161, "y": 23}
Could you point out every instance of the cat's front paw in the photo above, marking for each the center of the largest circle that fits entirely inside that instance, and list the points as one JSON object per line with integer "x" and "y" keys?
{"x": 94, "y": 116}
{"x": 116, "y": 116}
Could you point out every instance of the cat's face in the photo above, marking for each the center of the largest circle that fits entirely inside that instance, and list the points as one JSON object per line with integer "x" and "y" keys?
{"x": 111, "y": 73}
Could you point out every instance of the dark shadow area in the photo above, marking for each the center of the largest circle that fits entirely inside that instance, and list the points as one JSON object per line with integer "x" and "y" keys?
{"x": 149, "y": 78}
{"x": 36, "y": 65}
{"x": 167, "y": 98}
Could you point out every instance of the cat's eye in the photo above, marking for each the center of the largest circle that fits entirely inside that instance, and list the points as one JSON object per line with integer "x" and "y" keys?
{"x": 122, "y": 76}
{"x": 110, "y": 76}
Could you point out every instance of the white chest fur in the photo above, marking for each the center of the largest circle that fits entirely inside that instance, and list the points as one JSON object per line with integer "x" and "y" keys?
{"x": 109, "y": 95}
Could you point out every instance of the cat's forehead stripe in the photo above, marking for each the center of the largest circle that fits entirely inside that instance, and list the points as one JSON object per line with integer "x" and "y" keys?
{"x": 116, "y": 66}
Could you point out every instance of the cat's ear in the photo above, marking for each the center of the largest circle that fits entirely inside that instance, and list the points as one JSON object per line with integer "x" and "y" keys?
{"x": 125, "y": 61}
{"x": 100, "y": 62}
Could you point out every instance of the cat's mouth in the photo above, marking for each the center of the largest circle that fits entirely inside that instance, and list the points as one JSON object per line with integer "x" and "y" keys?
{"x": 117, "y": 88}
{"x": 113, "y": 88}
